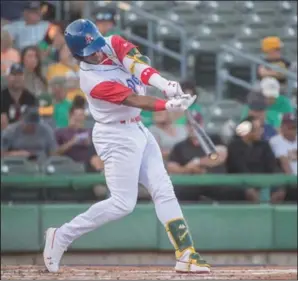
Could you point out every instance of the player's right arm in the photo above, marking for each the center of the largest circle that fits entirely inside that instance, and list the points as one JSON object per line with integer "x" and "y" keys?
{"x": 117, "y": 93}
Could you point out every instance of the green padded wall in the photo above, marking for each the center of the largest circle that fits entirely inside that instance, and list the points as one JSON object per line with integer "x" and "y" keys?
{"x": 213, "y": 227}
{"x": 20, "y": 228}
{"x": 285, "y": 227}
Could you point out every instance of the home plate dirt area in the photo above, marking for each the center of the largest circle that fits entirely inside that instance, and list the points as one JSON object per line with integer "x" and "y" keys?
{"x": 145, "y": 273}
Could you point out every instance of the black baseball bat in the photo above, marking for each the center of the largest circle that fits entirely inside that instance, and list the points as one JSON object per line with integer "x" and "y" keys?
{"x": 205, "y": 141}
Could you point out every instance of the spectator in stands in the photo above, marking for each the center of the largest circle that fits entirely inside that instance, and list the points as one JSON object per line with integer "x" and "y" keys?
{"x": 166, "y": 133}
{"x": 9, "y": 55}
{"x": 188, "y": 157}
{"x": 15, "y": 98}
{"x": 257, "y": 109}
{"x": 29, "y": 137}
{"x": 105, "y": 20}
{"x": 75, "y": 141}
{"x": 49, "y": 47}
{"x": 60, "y": 106}
{"x": 248, "y": 154}
{"x": 29, "y": 31}
{"x": 35, "y": 82}
{"x": 276, "y": 104}
{"x": 68, "y": 68}
{"x": 271, "y": 47}
{"x": 188, "y": 87}
{"x": 284, "y": 147}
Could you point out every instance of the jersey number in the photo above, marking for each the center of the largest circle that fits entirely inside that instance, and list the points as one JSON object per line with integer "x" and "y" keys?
{"x": 132, "y": 83}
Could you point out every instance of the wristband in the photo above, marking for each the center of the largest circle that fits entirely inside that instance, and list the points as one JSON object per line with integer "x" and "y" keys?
{"x": 160, "y": 105}
{"x": 146, "y": 74}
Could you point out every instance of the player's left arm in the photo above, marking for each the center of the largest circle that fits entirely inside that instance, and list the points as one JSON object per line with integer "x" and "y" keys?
{"x": 139, "y": 65}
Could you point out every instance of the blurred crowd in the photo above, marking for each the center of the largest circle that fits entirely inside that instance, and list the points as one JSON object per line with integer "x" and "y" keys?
{"x": 44, "y": 112}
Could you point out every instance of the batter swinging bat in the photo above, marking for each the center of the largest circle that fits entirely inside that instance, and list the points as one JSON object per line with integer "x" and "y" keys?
{"x": 206, "y": 143}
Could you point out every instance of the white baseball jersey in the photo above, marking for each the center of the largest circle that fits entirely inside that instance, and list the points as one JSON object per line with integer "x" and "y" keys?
{"x": 283, "y": 147}
{"x": 106, "y": 85}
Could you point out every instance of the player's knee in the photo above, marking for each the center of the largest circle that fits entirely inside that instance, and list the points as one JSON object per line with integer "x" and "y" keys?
{"x": 164, "y": 191}
{"x": 125, "y": 205}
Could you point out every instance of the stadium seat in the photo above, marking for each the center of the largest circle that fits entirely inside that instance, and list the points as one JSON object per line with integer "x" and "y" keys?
{"x": 61, "y": 165}
{"x": 18, "y": 165}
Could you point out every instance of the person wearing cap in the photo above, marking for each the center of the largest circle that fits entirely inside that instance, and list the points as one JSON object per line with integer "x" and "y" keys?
{"x": 106, "y": 22}
{"x": 268, "y": 96}
{"x": 284, "y": 147}
{"x": 60, "y": 105}
{"x": 271, "y": 47}
{"x": 31, "y": 29}
{"x": 15, "y": 98}
{"x": 29, "y": 137}
{"x": 248, "y": 153}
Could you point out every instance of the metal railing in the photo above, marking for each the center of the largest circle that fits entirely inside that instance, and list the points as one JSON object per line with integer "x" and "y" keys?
{"x": 224, "y": 76}
{"x": 150, "y": 42}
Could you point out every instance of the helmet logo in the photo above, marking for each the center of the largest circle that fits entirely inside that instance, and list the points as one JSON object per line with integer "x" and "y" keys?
{"x": 88, "y": 38}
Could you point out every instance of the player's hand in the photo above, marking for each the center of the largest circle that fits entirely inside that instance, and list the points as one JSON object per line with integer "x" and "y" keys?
{"x": 180, "y": 103}
{"x": 172, "y": 89}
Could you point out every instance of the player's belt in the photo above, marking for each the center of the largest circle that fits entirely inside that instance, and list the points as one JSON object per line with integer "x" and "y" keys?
{"x": 131, "y": 120}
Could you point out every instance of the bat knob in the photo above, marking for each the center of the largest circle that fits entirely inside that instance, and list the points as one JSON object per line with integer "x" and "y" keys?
{"x": 213, "y": 156}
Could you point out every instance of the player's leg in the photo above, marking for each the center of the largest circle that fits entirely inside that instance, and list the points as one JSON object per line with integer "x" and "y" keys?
{"x": 154, "y": 177}
{"x": 122, "y": 165}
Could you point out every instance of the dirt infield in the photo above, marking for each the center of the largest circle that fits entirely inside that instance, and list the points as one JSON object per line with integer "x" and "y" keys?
{"x": 145, "y": 273}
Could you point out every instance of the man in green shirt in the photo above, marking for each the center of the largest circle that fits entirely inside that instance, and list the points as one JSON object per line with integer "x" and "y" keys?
{"x": 276, "y": 105}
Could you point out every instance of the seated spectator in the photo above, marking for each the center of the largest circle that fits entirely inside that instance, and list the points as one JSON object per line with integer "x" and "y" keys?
{"x": 284, "y": 147}
{"x": 188, "y": 157}
{"x": 276, "y": 104}
{"x": 105, "y": 20}
{"x": 75, "y": 141}
{"x": 9, "y": 55}
{"x": 271, "y": 47}
{"x": 29, "y": 137}
{"x": 15, "y": 98}
{"x": 187, "y": 87}
{"x": 68, "y": 68}
{"x": 166, "y": 133}
{"x": 247, "y": 153}
{"x": 60, "y": 106}
{"x": 30, "y": 30}
{"x": 35, "y": 82}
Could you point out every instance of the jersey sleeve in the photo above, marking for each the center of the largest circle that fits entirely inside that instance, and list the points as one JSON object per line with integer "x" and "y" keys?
{"x": 110, "y": 91}
{"x": 121, "y": 46}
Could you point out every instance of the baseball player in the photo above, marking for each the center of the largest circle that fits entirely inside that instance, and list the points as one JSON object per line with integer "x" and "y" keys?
{"x": 114, "y": 76}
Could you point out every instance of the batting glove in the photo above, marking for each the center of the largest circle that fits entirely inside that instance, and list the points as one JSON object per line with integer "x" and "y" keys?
{"x": 180, "y": 103}
{"x": 172, "y": 89}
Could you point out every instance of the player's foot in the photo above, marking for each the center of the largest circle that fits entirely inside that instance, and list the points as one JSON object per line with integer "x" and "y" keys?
{"x": 53, "y": 252}
{"x": 191, "y": 262}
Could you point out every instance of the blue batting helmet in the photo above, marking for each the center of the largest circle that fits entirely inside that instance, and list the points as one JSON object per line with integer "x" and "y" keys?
{"x": 83, "y": 38}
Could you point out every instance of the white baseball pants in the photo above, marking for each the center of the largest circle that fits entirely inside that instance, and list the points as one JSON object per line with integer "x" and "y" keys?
{"x": 131, "y": 156}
